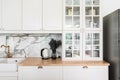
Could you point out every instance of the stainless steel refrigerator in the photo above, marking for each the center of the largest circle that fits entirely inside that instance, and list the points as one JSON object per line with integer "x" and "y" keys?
{"x": 111, "y": 32}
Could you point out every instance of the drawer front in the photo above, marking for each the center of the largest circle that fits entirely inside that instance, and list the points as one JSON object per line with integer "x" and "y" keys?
{"x": 85, "y": 72}
{"x": 8, "y": 74}
{"x": 8, "y": 78}
{"x": 8, "y": 67}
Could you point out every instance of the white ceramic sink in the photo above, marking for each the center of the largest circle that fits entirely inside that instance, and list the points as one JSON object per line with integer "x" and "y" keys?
{"x": 9, "y": 64}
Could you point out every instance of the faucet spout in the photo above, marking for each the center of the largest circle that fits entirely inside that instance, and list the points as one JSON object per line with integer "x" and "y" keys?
{"x": 8, "y": 48}
{"x": 3, "y": 46}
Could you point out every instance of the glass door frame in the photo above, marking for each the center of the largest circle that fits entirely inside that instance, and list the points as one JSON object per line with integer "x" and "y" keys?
{"x": 100, "y": 46}
{"x": 72, "y": 16}
{"x": 92, "y": 24}
{"x": 64, "y": 46}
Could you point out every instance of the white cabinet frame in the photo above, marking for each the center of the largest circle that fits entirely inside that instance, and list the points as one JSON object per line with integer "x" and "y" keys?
{"x": 11, "y": 15}
{"x": 32, "y": 14}
{"x": 100, "y": 46}
{"x": 80, "y": 45}
{"x": 52, "y": 14}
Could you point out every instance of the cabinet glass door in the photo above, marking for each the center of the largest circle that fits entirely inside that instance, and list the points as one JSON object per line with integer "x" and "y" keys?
{"x": 96, "y": 45}
{"x": 92, "y": 45}
{"x": 76, "y": 45}
{"x": 68, "y": 45}
{"x": 88, "y": 45}
{"x": 72, "y": 14}
{"x": 72, "y": 45}
{"x": 92, "y": 14}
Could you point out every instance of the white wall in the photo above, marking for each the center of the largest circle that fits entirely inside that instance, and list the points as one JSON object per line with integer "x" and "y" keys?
{"x": 109, "y": 6}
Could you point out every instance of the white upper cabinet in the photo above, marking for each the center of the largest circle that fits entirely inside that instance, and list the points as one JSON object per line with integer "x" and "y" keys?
{"x": 11, "y": 14}
{"x": 36, "y": 15}
{"x": 52, "y": 14}
{"x": 0, "y": 14}
{"x": 32, "y": 14}
{"x": 92, "y": 12}
{"x": 82, "y": 14}
{"x": 72, "y": 14}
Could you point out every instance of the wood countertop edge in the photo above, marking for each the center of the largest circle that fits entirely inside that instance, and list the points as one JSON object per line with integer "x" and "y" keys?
{"x": 59, "y": 62}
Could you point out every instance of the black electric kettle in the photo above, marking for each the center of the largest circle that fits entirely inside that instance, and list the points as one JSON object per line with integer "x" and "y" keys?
{"x": 45, "y": 53}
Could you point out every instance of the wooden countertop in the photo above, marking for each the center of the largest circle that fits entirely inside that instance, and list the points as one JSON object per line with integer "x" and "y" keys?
{"x": 59, "y": 62}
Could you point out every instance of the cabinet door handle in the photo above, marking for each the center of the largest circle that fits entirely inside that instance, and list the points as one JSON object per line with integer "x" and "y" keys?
{"x": 40, "y": 67}
{"x": 85, "y": 67}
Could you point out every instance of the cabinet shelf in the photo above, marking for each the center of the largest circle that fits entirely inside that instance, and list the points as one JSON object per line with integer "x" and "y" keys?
{"x": 72, "y": 15}
{"x": 92, "y": 5}
{"x": 72, "y": 5}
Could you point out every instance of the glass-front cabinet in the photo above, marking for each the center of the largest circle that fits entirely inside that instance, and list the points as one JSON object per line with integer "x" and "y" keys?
{"x": 82, "y": 29}
{"x": 92, "y": 45}
{"x": 79, "y": 14}
{"x": 92, "y": 14}
{"x": 72, "y": 45}
{"x": 72, "y": 14}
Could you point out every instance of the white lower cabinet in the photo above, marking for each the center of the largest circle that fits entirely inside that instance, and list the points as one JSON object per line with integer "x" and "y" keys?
{"x": 63, "y": 73}
{"x": 52, "y": 73}
{"x": 72, "y": 73}
{"x": 90, "y": 73}
{"x": 85, "y": 73}
{"x": 29, "y": 73}
{"x": 8, "y": 78}
{"x": 4, "y": 75}
{"x": 40, "y": 73}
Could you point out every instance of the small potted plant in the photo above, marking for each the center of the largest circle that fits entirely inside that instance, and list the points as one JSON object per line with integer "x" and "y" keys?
{"x": 53, "y": 46}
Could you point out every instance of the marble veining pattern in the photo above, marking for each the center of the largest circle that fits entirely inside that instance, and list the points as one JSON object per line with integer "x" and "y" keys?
{"x": 29, "y": 45}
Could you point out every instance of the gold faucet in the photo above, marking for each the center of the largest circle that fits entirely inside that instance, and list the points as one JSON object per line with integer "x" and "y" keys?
{"x": 8, "y": 52}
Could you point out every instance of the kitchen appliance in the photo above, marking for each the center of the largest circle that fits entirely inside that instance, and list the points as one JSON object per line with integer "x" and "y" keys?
{"x": 112, "y": 43}
{"x": 45, "y": 53}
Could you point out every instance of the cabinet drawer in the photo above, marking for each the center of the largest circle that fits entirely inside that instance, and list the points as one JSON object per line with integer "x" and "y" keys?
{"x": 40, "y": 73}
{"x": 85, "y": 72}
{"x": 8, "y": 74}
{"x": 28, "y": 68}
{"x": 8, "y": 78}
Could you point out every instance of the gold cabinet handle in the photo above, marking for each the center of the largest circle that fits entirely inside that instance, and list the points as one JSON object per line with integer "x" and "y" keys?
{"x": 40, "y": 67}
{"x": 85, "y": 67}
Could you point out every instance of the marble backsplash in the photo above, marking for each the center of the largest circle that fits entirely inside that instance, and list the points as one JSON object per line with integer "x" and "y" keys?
{"x": 29, "y": 45}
